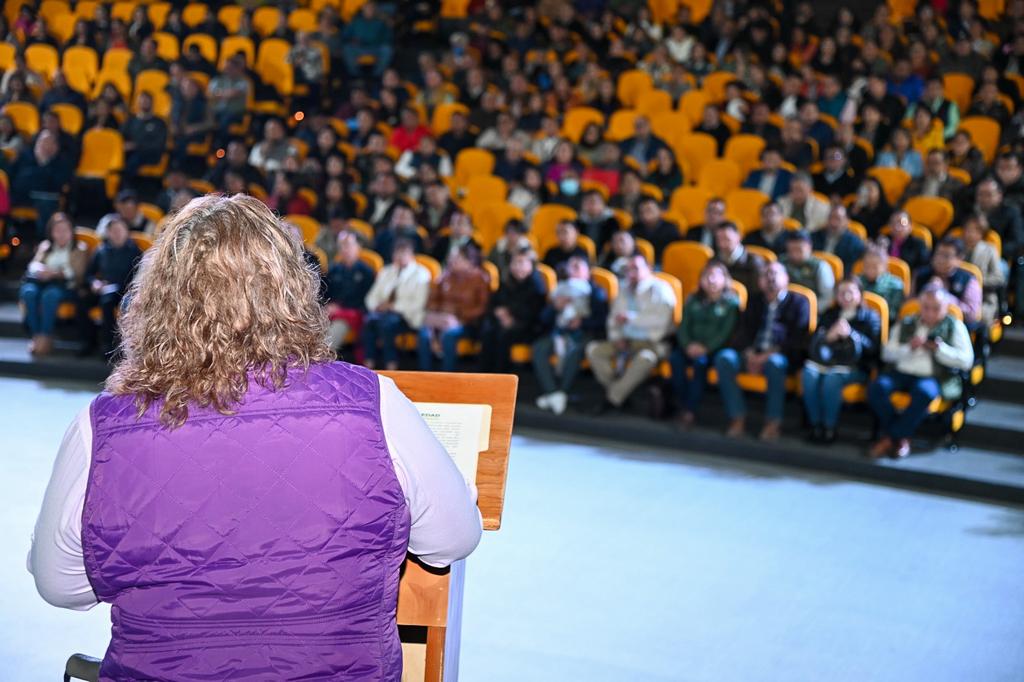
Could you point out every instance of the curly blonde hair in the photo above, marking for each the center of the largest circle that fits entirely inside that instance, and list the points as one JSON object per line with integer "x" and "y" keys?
{"x": 223, "y": 297}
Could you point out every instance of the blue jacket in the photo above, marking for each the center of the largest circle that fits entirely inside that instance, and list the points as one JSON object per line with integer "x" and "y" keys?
{"x": 781, "y": 188}
{"x": 849, "y": 248}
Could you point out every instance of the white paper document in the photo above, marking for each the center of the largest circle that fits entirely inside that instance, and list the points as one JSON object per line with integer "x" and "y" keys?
{"x": 463, "y": 429}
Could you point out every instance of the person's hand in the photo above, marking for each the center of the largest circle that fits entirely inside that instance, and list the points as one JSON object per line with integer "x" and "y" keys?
{"x": 384, "y": 307}
{"x": 843, "y": 328}
{"x": 695, "y": 350}
{"x": 917, "y": 342}
{"x": 930, "y": 345}
{"x": 560, "y": 302}
{"x": 96, "y": 285}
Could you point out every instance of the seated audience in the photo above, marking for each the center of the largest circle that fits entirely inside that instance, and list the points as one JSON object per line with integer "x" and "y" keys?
{"x": 370, "y": 37}
{"x": 126, "y": 208}
{"x": 714, "y": 215}
{"x": 963, "y": 288}
{"x": 575, "y": 315}
{"x": 772, "y": 233}
{"x": 513, "y": 313}
{"x": 936, "y": 180}
{"x": 395, "y": 304}
{"x": 52, "y": 277}
{"x": 871, "y": 208}
{"x": 596, "y": 220}
{"x": 993, "y": 270}
{"x": 457, "y": 303}
{"x": 107, "y": 278}
{"x": 145, "y": 137}
{"x": 836, "y": 179}
{"x": 900, "y": 153}
{"x": 926, "y": 353}
{"x": 38, "y": 176}
{"x": 876, "y": 278}
{"x": 651, "y": 226}
{"x": 807, "y": 270}
{"x": 638, "y": 325}
{"x": 771, "y": 178}
{"x": 643, "y": 146}
{"x": 349, "y": 280}
{"x": 566, "y": 246}
{"x": 801, "y": 204}
{"x": 1002, "y": 216}
{"x": 903, "y": 244}
{"x": 709, "y": 318}
{"x": 460, "y": 234}
{"x": 743, "y": 266}
{"x": 770, "y": 340}
{"x": 269, "y": 154}
{"x": 401, "y": 225}
{"x": 620, "y": 249}
{"x": 512, "y": 241}
{"x": 838, "y": 239}
{"x": 841, "y": 352}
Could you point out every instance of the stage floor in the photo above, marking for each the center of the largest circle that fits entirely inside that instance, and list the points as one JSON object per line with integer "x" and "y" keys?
{"x": 618, "y": 564}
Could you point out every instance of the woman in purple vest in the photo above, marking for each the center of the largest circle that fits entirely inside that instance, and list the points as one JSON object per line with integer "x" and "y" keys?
{"x": 243, "y": 502}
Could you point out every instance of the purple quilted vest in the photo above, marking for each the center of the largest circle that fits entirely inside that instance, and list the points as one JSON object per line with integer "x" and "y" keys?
{"x": 265, "y": 545}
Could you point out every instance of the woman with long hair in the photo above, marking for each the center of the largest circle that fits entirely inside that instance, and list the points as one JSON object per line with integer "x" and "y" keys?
{"x": 243, "y": 502}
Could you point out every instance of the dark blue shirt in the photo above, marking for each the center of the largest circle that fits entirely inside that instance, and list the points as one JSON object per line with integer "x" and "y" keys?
{"x": 347, "y": 285}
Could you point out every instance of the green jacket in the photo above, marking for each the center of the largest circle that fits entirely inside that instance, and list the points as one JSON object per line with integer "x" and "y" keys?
{"x": 950, "y": 385}
{"x": 708, "y": 323}
{"x": 889, "y": 287}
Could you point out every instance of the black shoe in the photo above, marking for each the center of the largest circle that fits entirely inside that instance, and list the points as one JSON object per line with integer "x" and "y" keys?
{"x": 656, "y": 404}
{"x": 828, "y": 436}
{"x": 816, "y": 435}
{"x": 603, "y": 408}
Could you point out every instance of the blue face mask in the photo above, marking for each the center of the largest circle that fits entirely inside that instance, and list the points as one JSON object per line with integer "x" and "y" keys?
{"x": 569, "y": 186}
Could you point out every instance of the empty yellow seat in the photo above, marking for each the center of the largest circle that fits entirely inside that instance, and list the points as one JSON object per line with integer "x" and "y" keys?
{"x": 25, "y": 117}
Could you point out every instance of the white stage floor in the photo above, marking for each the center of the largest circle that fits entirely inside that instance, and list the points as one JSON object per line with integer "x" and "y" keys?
{"x": 636, "y": 565}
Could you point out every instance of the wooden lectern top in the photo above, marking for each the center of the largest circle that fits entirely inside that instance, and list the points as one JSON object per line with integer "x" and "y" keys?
{"x": 496, "y": 390}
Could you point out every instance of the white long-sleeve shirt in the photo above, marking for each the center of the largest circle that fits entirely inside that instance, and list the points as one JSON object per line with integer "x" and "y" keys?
{"x": 921, "y": 362}
{"x": 410, "y": 286}
{"x": 446, "y": 524}
{"x": 648, "y": 311}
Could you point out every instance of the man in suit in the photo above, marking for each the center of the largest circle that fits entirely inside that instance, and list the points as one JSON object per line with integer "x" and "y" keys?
{"x": 835, "y": 179}
{"x": 770, "y": 339}
{"x": 801, "y": 204}
{"x": 651, "y": 226}
{"x": 771, "y": 178}
{"x": 837, "y": 239}
{"x": 714, "y": 214}
{"x": 772, "y": 233}
{"x": 935, "y": 181}
{"x": 744, "y": 267}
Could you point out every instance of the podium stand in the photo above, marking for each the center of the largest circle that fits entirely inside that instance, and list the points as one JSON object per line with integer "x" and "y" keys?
{"x": 430, "y": 600}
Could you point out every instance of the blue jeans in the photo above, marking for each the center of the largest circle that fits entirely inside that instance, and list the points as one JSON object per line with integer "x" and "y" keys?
{"x": 729, "y": 363}
{"x": 823, "y": 394}
{"x": 575, "y": 345}
{"x": 449, "y": 348}
{"x": 923, "y": 390}
{"x": 41, "y": 303}
{"x": 688, "y": 391}
{"x": 382, "y": 328}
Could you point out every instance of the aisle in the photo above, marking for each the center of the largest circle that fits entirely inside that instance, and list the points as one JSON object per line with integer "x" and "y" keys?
{"x": 619, "y": 565}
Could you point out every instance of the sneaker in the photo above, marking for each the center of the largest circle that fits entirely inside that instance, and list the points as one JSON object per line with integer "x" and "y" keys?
{"x": 557, "y": 402}
{"x": 544, "y": 401}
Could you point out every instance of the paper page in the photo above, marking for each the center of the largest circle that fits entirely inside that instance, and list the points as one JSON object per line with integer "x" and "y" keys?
{"x": 463, "y": 429}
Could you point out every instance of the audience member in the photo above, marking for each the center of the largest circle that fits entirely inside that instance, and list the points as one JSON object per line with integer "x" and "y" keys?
{"x": 714, "y": 215}
{"x": 107, "y": 278}
{"x": 396, "y": 304}
{"x": 126, "y": 208}
{"x": 806, "y": 269}
{"x": 743, "y": 266}
{"x": 983, "y": 254}
{"x": 801, "y": 204}
{"x": 457, "y": 303}
{"x": 771, "y": 178}
{"x": 349, "y": 280}
{"x": 838, "y": 239}
{"x": 514, "y": 312}
{"x": 876, "y": 278}
{"x": 566, "y": 246}
{"x": 962, "y": 287}
{"x": 772, "y": 233}
{"x": 52, "y": 278}
{"x": 903, "y": 244}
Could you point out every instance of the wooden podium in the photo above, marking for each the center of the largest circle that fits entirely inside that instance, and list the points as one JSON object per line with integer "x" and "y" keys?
{"x": 430, "y": 600}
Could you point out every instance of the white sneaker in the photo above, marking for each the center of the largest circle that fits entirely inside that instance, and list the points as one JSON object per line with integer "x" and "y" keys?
{"x": 558, "y": 401}
{"x": 544, "y": 401}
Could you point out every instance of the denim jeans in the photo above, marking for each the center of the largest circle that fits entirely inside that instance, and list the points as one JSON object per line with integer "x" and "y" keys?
{"x": 823, "y": 394}
{"x": 41, "y": 302}
{"x": 923, "y": 390}
{"x": 449, "y": 348}
{"x": 382, "y": 329}
{"x": 575, "y": 345}
{"x": 730, "y": 363}
{"x": 688, "y": 392}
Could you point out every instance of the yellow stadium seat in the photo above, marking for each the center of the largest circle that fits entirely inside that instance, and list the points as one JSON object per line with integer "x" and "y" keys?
{"x": 620, "y": 125}
{"x": 116, "y": 59}
{"x": 740, "y": 292}
{"x": 546, "y": 219}
{"x": 194, "y": 14}
{"x": 745, "y": 150}
{"x": 25, "y": 117}
{"x": 677, "y": 289}
{"x": 7, "y": 52}
{"x": 122, "y": 10}
{"x": 577, "y": 119}
{"x": 745, "y": 204}
{"x": 81, "y": 59}
{"x": 720, "y": 176}
{"x": 935, "y": 213}
{"x": 663, "y": 11}
{"x": 151, "y": 211}
{"x": 984, "y": 132}
{"x": 958, "y": 87}
{"x": 62, "y": 27}
{"x": 631, "y": 85}
{"x": 308, "y": 226}
{"x": 151, "y": 81}
{"x": 699, "y": 10}
{"x": 265, "y": 19}
{"x": 490, "y": 220}
{"x": 207, "y": 45}
{"x": 485, "y": 189}
{"x": 167, "y": 46}
{"x": 692, "y": 104}
{"x": 470, "y": 162}
{"x": 607, "y": 280}
{"x": 88, "y": 237}
{"x": 349, "y": 8}
{"x": 230, "y": 17}
{"x": 86, "y": 9}
{"x": 232, "y": 45}
{"x": 157, "y": 13}
{"x": 121, "y": 81}
{"x": 102, "y": 157}
{"x": 272, "y": 64}
{"x": 834, "y": 263}
{"x": 766, "y": 254}
{"x": 371, "y": 258}
{"x": 302, "y": 20}
{"x": 690, "y": 202}
{"x": 43, "y": 59}
{"x": 655, "y": 101}
{"x": 50, "y": 9}
{"x": 894, "y": 182}
{"x": 441, "y": 120}
{"x": 70, "y": 116}
{"x": 669, "y": 125}
{"x": 714, "y": 85}
{"x": 685, "y": 260}
{"x": 858, "y": 229}
{"x": 694, "y": 151}
{"x": 430, "y": 264}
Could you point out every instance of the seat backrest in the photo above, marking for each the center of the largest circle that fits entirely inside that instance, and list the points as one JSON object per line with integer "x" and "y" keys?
{"x": 631, "y": 84}
{"x": 646, "y": 249}
{"x": 620, "y": 125}
{"x": 81, "y": 58}
{"x": 206, "y": 43}
{"x": 974, "y": 270}
{"x": 893, "y": 180}
{"x": 441, "y": 120}
{"x": 912, "y": 306}
{"x": 720, "y": 176}
{"x": 88, "y": 237}
{"x": 371, "y": 258}
{"x": 607, "y": 280}
{"x": 685, "y": 260}
{"x": 485, "y": 189}
{"x": 985, "y": 133}
{"x": 167, "y": 46}
{"x": 116, "y": 59}
{"x": 740, "y": 290}
{"x": 677, "y": 289}
{"x": 834, "y": 262}
{"x": 549, "y": 275}
{"x": 545, "y": 221}
{"x": 881, "y": 308}
{"x": 25, "y": 117}
{"x": 577, "y": 119}
{"x": 935, "y": 213}
{"x": 745, "y": 150}
{"x": 308, "y": 226}
{"x": 194, "y": 14}
{"x": 670, "y": 125}
{"x": 70, "y": 116}
{"x": 431, "y": 264}
{"x": 302, "y": 19}
{"x": 690, "y": 202}
{"x": 746, "y": 204}
{"x": 102, "y": 152}
{"x": 766, "y": 254}
{"x": 157, "y": 13}
{"x": 858, "y": 229}
{"x": 472, "y": 161}
{"x": 232, "y": 45}
{"x": 151, "y": 81}
{"x": 653, "y": 101}
{"x": 714, "y": 85}
{"x": 42, "y": 58}
{"x": 812, "y": 302}
{"x": 694, "y": 151}
{"x": 265, "y": 19}
{"x": 692, "y": 104}
{"x": 958, "y": 87}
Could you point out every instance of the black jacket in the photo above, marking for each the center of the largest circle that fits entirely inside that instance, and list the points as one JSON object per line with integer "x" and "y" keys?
{"x": 789, "y": 332}
{"x": 524, "y": 299}
{"x": 114, "y": 265}
{"x": 860, "y": 348}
